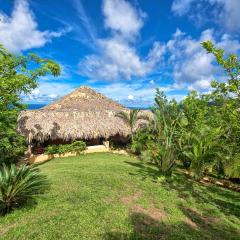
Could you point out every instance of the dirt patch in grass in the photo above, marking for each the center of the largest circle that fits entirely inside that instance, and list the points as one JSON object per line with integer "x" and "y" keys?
{"x": 4, "y": 230}
{"x": 194, "y": 219}
{"x": 190, "y": 223}
{"x": 128, "y": 200}
{"x": 153, "y": 212}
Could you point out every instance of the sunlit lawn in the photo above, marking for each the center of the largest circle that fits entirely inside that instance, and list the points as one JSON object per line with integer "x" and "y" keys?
{"x": 107, "y": 196}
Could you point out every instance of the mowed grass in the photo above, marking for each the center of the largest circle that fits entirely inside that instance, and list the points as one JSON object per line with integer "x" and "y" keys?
{"x": 107, "y": 196}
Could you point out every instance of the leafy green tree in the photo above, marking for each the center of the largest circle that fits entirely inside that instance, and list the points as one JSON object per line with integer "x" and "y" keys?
{"x": 18, "y": 76}
{"x": 226, "y": 95}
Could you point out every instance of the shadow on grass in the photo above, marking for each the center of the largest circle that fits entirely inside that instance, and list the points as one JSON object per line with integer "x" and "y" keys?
{"x": 30, "y": 204}
{"x": 225, "y": 200}
{"x": 145, "y": 227}
{"x": 145, "y": 170}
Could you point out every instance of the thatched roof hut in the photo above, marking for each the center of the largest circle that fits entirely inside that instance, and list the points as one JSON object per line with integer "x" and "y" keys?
{"x": 82, "y": 114}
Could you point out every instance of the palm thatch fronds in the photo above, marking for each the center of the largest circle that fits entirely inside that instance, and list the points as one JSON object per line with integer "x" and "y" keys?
{"x": 83, "y": 114}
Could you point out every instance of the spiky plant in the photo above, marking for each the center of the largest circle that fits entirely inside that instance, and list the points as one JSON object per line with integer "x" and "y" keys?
{"x": 131, "y": 118}
{"x": 19, "y": 185}
{"x": 204, "y": 149}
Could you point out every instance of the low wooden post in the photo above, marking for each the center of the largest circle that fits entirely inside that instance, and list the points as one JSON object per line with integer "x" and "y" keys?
{"x": 106, "y": 144}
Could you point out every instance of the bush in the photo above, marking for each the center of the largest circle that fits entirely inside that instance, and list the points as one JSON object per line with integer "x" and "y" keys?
{"x": 19, "y": 185}
{"x": 140, "y": 140}
{"x": 76, "y": 146}
{"x": 51, "y": 149}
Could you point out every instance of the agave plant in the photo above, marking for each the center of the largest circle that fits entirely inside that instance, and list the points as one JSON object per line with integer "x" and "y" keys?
{"x": 19, "y": 185}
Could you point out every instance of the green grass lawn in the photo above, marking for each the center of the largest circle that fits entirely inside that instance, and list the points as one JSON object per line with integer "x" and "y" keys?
{"x": 107, "y": 196}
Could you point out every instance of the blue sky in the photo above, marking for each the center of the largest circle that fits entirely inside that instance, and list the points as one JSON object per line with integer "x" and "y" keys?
{"x": 123, "y": 49}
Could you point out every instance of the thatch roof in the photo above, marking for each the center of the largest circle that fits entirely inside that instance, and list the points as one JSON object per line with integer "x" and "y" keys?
{"x": 85, "y": 99}
{"x": 83, "y": 114}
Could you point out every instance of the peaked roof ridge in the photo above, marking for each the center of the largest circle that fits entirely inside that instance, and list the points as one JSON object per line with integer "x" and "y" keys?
{"x": 84, "y": 98}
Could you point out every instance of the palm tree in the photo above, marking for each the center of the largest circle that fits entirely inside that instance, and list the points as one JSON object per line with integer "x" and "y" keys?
{"x": 131, "y": 118}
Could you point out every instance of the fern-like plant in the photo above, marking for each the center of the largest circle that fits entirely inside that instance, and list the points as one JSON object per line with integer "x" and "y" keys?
{"x": 19, "y": 185}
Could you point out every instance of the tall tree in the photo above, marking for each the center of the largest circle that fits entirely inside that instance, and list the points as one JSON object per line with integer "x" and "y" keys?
{"x": 18, "y": 76}
{"x": 227, "y": 96}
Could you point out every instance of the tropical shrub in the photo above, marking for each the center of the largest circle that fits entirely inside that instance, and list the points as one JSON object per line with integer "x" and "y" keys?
{"x": 19, "y": 186}
{"x": 51, "y": 149}
{"x": 76, "y": 146}
{"x": 160, "y": 148}
{"x": 203, "y": 150}
{"x": 140, "y": 141}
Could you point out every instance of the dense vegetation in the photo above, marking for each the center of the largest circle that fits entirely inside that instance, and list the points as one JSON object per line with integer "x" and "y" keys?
{"x": 109, "y": 196}
{"x": 18, "y": 75}
{"x": 76, "y": 146}
{"x": 202, "y": 131}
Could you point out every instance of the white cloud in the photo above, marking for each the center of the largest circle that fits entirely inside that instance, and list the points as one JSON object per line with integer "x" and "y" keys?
{"x": 223, "y": 12}
{"x": 193, "y": 68}
{"x": 20, "y": 30}
{"x": 181, "y": 7}
{"x": 121, "y": 17}
{"x": 85, "y": 20}
{"x": 117, "y": 58}
{"x": 152, "y": 82}
{"x": 130, "y": 97}
{"x": 47, "y": 92}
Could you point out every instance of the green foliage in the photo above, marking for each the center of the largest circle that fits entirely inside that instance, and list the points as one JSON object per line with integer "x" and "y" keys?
{"x": 51, "y": 149}
{"x": 76, "y": 146}
{"x": 18, "y": 75}
{"x": 131, "y": 118}
{"x": 158, "y": 143}
{"x": 204, "y": 149}
{"x": 140, "y": 141}
{"x": 226, "y": 96}
{"x": 203, "y": 131}
{"x": 19, "y": 185}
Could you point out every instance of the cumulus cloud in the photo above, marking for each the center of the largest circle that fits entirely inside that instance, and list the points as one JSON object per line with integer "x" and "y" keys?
{"x": 117, "y": 57}
{"x": 193, "y": 68}
{"x": 223, "y": 12}
{"x": 121, "y": 17}
{"x": 20, "y": 32}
